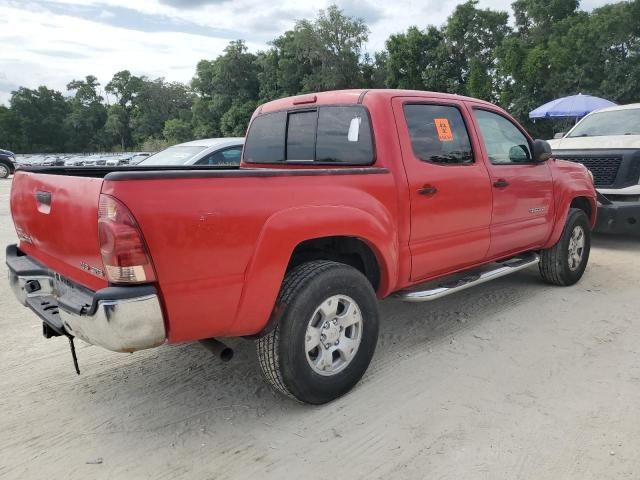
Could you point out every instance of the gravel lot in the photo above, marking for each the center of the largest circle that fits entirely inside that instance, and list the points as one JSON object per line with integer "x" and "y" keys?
{"x": 511, "y": 380}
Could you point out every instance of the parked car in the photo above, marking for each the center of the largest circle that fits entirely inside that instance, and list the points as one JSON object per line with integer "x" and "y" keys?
{"x": 341, "y": 198}
{"x": 75, "y": 161}
{"x": 607, "y": 142}
{"x": 48, "y": 161}
{"x": 7, "y": 163}
{"x": 207, "y": 151}
{"x": 138, "y": 157}
{"x": 118, "y": 160}
{"x": 94, "y": 161}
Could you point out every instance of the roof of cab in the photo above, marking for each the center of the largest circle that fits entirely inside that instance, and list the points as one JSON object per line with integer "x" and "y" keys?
{"x": 355, "y": 96}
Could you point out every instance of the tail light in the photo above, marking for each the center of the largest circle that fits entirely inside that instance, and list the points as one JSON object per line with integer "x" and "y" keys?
{"x": 124, "y": 253}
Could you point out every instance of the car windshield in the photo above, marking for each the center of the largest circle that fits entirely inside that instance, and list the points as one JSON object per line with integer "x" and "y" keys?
{"x": 615, "y": 122}
{"x": 178, "y": 155}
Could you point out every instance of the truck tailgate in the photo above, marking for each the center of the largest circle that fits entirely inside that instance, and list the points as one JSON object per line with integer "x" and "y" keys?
{"x": 56, "y": 218}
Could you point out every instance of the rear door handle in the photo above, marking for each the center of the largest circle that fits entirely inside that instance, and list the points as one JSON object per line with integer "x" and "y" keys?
{"x": 428, "y": 190}
{"x": 501, "y": 183}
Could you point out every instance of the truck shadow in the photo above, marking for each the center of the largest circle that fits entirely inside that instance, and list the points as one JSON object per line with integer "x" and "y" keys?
{"x": 626, "y": 243}
{"x": 181, "y": 388}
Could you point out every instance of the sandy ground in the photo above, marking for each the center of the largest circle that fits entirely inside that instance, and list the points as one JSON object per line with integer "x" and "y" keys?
{"x": 511, "y": 380}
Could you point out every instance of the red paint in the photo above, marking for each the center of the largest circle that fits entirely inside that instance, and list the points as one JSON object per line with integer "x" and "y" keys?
{"x": 220, "y": 246}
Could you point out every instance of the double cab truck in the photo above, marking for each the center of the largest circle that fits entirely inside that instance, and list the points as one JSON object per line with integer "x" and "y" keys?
{"x": 342, "y": 198}
{"x": 607, "y": 142}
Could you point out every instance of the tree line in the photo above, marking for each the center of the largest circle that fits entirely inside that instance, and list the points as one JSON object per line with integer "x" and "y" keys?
{"x": 550, "y": 49}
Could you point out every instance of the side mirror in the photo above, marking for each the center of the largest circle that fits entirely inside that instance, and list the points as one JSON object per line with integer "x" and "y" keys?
{"x": 541, "y": 151}
{"x": 559, "y": 135}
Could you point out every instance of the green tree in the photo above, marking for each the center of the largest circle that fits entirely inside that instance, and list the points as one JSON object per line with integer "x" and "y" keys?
{"x": 40, "y": 116}
{"x": 472, "y": 36}
{"x": 9, "y": 129}
{"x": 125, "y": 88}
{"x": 228, "y": 82}
{"x": 417, "y": 60}
{"x": 116, "y": 128}
{"x": 87, "y": 115}
{"x": 333, "y": 44}
{"x": 177, "y": 131}
{"x": 157, "y": 102}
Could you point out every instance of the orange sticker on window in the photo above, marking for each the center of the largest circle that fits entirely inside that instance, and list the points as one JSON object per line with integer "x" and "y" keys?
{"x": 444, "y": 129}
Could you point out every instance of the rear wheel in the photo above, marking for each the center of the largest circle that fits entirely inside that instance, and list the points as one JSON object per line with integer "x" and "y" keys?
{"x": 326, "y": 332}
{"x": 4, "y": 171}
{"x": 565, "y": 262}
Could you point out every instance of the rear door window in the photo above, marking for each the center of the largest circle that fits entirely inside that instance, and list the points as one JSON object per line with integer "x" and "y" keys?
{"x": 438, "y": 134}
{"x": 326, "y": 134}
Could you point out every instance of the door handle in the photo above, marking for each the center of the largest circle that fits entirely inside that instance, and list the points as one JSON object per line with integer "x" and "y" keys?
{"x": 428, "y": 190}
{"x": 501, "y": 183}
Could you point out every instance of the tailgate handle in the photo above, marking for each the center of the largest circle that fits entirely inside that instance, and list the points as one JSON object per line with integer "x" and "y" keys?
{"x": 44, "y": 198}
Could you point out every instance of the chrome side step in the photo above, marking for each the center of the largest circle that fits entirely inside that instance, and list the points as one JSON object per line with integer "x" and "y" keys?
{"x": 502, "y": 269}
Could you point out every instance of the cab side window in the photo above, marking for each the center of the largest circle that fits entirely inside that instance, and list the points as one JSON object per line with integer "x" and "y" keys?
{"x": 504, "y": 142}
{"x": 438, "y": 134}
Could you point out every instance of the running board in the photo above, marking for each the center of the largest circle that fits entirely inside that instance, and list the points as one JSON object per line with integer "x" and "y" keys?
{"x": 502, "y": 269}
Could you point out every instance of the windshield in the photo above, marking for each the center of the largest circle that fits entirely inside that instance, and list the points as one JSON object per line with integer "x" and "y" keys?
{"x": 616, "y": 122}
{"x": 173, "y": 156}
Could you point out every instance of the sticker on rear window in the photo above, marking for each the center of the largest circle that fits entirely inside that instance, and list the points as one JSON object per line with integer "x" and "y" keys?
{"x": 444, "y": 129}
{"x": 354, "y": 129}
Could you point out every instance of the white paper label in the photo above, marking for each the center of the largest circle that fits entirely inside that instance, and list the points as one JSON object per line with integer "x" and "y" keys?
{"x": 354, "y": 129}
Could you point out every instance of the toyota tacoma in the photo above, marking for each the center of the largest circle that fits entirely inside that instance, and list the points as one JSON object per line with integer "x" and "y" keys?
{"x": 342, "y": 198}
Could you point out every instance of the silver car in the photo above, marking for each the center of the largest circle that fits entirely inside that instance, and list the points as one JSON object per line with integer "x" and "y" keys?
{"x": 208, "y": 151}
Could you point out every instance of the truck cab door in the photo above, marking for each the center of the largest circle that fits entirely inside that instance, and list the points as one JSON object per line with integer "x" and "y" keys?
{"x": 449, "y": 188}
{"x": 523, "y": 209}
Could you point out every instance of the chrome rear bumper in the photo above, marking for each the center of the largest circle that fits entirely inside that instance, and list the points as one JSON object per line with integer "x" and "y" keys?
{"x": 122, "y": 319}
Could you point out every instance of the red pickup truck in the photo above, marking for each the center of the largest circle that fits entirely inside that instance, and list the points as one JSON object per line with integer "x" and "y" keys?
{"x": 342, "y": 198}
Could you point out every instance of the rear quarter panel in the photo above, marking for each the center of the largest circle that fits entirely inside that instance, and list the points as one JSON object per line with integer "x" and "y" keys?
{"x": 220, "y": 246}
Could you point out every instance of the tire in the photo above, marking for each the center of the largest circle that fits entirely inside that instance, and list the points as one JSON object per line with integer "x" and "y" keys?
{"x": 559, "y": 264}
{"x": 289, "y": 358}
{"x": 5, "y": 171}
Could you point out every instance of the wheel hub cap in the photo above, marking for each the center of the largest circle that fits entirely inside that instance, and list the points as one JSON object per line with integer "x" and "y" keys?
{"x": 576, "y": 248}
{"x": 333, "y": 335}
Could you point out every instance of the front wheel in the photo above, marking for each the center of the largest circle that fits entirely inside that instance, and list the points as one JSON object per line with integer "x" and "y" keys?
{"x": 565, "y": 262}
{"x": 326, "y": 331}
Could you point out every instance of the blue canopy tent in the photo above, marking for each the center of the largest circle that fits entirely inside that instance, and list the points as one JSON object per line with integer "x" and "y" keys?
{"x": 574, "y": 106}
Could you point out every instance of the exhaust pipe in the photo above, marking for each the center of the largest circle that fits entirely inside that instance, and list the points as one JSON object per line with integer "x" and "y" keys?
{"x": 219, "y": 349}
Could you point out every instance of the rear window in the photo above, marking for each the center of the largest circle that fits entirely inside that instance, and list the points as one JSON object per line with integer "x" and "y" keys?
{"x": 326, "y": 134}
{"x": 265, "y": 140}
{"x": 301, "y": 136}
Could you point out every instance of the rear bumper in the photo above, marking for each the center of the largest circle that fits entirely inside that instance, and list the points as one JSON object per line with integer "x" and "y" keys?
{"x": 122, "y": 319}
{"x": 619, "y": 217}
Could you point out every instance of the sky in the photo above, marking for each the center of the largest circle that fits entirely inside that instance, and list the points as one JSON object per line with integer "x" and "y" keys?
{"x": 51, "y": 42}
